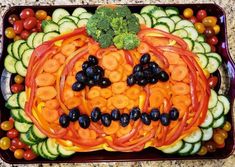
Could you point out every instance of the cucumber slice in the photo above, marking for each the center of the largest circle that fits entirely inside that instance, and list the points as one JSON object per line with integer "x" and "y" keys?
{"x": 38, "y": 39}
{"x": 180, "y": 33}
{"x": 23, "y": 47}
{"x": 9, "y": 64}
{"x": 63, "y": 152}
{"x": 208, "y": 120}
{"x": 213, "y": 99}
{"x": 162, "y": 26}
{"x": 15, "y": 115}
{"x": 200, "y": 38}
{"x": 203, "y": 60}
{"x": 154, "y": 20}
{"x": 148, "y": 9}
{"x": 85, "y": 15}
{"x": 30, "y": 136}
{"x": 194, "y": 137}
{"x": 22, "y": 127}
{"x": 46, "y": 153}
{"x": 225, "y": 103}
{"x": 175, "y": 18}
{"x": 59, "y": 14}
{"x": 24, "y": 139}
{"x": 65, "y": 20}
{"x": 9, "y": 49}
{"x": 198, "y": 48}
{"x": 12, "y": 101}
{"x": 82, "y": 22}
{"x": 35, "y": 149}
{"x": 206, "y": 47}
{"x": 75, "y": 19}
{"x": 183, "y": 23}
{"x": 207, "y": 134}
{"x": 218, "y": 110}
{"x": 216, "y": 55}
{"x": 66, "y": 27}
{"x": 50, "y": 26}
{"x": 189, "y": 42}
{"x": 30, "y": 39}
{"x": 78, "y": 11}
{"x": 20, "y": 69}
{"x": 187, "y": 148}
{"x": 157, "y": 13}
{"x": 15, "y": 48}
{"x": 196, "y": 148}
{"x": 219, "y": 122}
{"x": 192, "y": 33}
{"x": 167, "y": 21}
{"x": 26, "y": 57}
{"x": 173, "y": 148}
{"x": 50, "y": 35}
{"x": 213, "y": 64}
{"x": 24, "y": 117}
{"x": 37, "y": 133}
{"x": 148, "y": 20}
{"x": 52, "y": 146}
{"x": 140, "y": 18}
{"x": 172, "y": 11}
{"x": 39, "y": 148}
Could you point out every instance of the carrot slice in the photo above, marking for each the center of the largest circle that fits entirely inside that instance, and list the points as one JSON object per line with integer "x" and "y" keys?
{"x": 128, "y": 69}
{"x": 68, "y": 93}
{"x": 173, "y": 58}
{"x": 78, "y": 65}
{"x": 184, "y": 99}
{"x": 180, "y": 88}
{"x": 93, "y": 93}
{"x": 98, "y": 102}
{"x": 143, "y": 48}
{"x": 70, "y": 80}
{"x": 179, "y": 73}
{"x": 52, "y": 104}
{"x": 106, "y": 93}
{"x": 115, "y": 76}
{"x": 68, "y": 49}
{"x": 133, "y": 92}
{"x": 113, "y": 128}
{"x": 110, "y": 104}
{"x": 87, "y": 133}
{"x": 46, "y": 93}
{"x": 120, "y": 101}
{"x": 131, "y": 104}
{"x": 51, "y": 66}
{"x": 45, "y": 79}
{"x": 73, "y": 102}
{"x": 93, "y": 48}
{"x": 60, "y": 58}
{"x": 156, "y": 99}
{"x": 119, "y": 87}
{"x": 109, "y": 62}
{"x": 50, "y": 115}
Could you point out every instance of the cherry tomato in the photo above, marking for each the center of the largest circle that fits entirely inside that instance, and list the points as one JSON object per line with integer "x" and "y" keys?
{"x": 18, "y": 79}
{"x": 41, "y": 14}
{"x": 26, "y": 13}
{"x": 201, "y": 14}
{"x": 26, "y": 147}
{"x": 210, "y": 146}
{"x": 48, "y": 18}
{"x": 213, "y": 40}
{"x": 10, "y": 33}
{"x": 193, "y": 19}
{"x": 11, "y": 120}
{"x": 227, "y": 126}
{"x": 200, "y": 27}
{"x": 15, "y": 88}
{"x": 6, "y": 125}
{"x": 188, "y": 12}
{"x": 12, "y": 18}
{"x": 17, "y": 143}
{"x": 202, "y": 151}
{"x": 34, "y": 30}
{"x": 24, "y": 34}
{"x": 213, "y": 48}
{"x": 29, "y": 155}
{"x": 209, "y": 21}
{"x": 39, "y": 25}
{"x": 216, "y": 29}
{"x": 209, "y": 32}
{"x": 18, "y": 26}
{"x": 212, "y": 81}
{"x": 222, "y": 133}
{"x": 5, "y": 143}
{"x": 30, "y": 23}
{"x": 19, "y": 154}
{"x": 13, "y": 133}
{"x": 220, "y": 145}
{"x": 17, "y": 37}
{"x": 12, "y": 148}
{"x": 218, "y": 138}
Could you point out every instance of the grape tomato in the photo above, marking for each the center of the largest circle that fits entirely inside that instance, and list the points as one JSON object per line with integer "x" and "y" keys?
{"x": 26, "y": 13}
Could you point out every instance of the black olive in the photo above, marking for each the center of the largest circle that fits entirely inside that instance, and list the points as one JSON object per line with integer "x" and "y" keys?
{"x": 97, "y": 77}
{"x": 135, "y": 113}
{"x": 74, "y": 114}
{"x": 77, "y": 86}
{"x": 125, "y": 119}
{"x": 165, "y": 119}
{"x": 145, "y": 118}
{"x": 104, "y": 83}
{"x": 174, "y": 114}
{"x": 147, "y": 73}
{"x": 155, "y": 114}
{"x": 143, "y": 82}
{"x": 130, "y": 80}
{"x": 145, "y": 58}
{"x": 115, "y": 114}
{"x": 138, "y": 68}
{"x": 92, "y": 60}
{"x": 139, "y": 75}
{"x": 153, "y": 80}
{"x": 85, "y": 65}
{"x": 163, "y": 76}
{"x": 100, "y": 70}
{"x": 84, "y": 121}
{"x": 81, "y": 77}
{"x": 96, "y": 114}
{"x": 152, "y": 65}
{"x": 64, "y": 120}
{"x": 90, "y": 83}
{"x": 106, "y": 119}
{"x": 91, "y": 71}
{"x": 156, "y": 70}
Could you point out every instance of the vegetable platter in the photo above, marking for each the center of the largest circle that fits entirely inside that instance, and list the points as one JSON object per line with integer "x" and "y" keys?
{"x": 115, "y": 83}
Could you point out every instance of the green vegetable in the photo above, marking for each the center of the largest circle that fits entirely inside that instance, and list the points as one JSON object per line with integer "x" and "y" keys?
{"x": 114, "y": 26}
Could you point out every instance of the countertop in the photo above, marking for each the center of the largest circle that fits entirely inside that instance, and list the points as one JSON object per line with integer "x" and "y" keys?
{"x": 227, "y": 5}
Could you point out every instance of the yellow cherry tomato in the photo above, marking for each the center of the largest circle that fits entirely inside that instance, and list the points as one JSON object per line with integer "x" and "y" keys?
{"x": 6, "y": 125}
{"x": 18, "y": 79}
{"x": 223, "y": 133}
{"x": 209, "y": 21}
{"x": 41, "y": 14}
{"x": 202, "y": 151}
{"x": 10, "y": 33}
{"x": 19, "y": 154}
{"x": 200, "y": 27}
{"x": 5, "y": 143}
{"x": 188, "y": 12}
{"x": 227, "y": 126}
{"x": 216, "y": 29}
{"x": 48, "y": 18}
{"x": 218, "y": 138}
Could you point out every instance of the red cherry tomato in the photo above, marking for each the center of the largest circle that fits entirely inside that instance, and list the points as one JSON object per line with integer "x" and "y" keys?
{"x": 213, "y": 48}
{"x": 24, "y": 34}
{"x": 213, "y": 40}
{"x": 27, "y": 147}
{"x": 13, "y": 148}
{"x": 12, "y": 18}
{"x": 201, "y": 14}
{"x": 34, "y": 30}
{"x": 39, "y": 25}
{"x": 209, "y": 32}
{"x": 193, "y": 19}
{"x": 30, "y": 23}
{"x": 29, "y": 155}
{"x": 15, "y": 88}
{"x": 17, "y": 143}
{"x": 26, "y": 13}
{"x": 13, "y": 133}
{"x": 18, "y": 26}
{"x": 11, "y": 120}
{"x": 212, "y": 81}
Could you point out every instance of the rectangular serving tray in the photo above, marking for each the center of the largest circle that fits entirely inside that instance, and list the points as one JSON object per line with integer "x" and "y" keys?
{"x": 149, "y": 154}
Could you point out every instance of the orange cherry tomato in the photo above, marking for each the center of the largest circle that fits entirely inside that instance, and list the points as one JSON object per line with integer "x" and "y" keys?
{"x": 17, "y": 37}
{"x": 218, "y": 138}
{"x": 48, "y": 18}
{"x": 216, "y": 29}
{"x": 188, "y": 12}
{"x": 6, "y": 125}
{"x": 209, "y": 21}
{"x": 5, "y": 143}
{"x": 10, "y": 33}
{"x": 202, "y": 151}
{"x": 19, "y": 153}
{"x": 200, "y": 27}
{"x": 227, "y": 126}
{"x": 41, "y": 14}
{"x": 223, "y": 133}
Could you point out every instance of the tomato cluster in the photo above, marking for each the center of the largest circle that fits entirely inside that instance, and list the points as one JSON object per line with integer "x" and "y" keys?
{"x": 12, "y": 142}
{"x": 18, "y": 85}
{"x": 25, "y": 24}
{"x": 204, "y": 24}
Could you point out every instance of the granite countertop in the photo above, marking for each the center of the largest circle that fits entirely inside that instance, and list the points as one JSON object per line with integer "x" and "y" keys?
{"x": 227, "y": 5}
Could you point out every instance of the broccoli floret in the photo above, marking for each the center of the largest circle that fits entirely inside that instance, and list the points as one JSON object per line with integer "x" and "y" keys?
{"x": 133, "y": 24}
{"x": 105, "y": 40}
{"x": 103, "y": 24}
{"x": 118, "y": 41}
{"x": 105, "y": 12}
{"x": 122, "y": 11}
{"x": 119, "y": 25}
{"x": 130, "y": 41}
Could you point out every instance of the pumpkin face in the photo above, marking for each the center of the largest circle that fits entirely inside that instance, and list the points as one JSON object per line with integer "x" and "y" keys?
{"x": 51, "y": 95}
